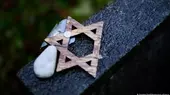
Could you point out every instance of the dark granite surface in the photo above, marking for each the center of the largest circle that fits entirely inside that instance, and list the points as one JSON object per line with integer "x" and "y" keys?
{"x": 126, "y": 23}
{"x": 144, "y": 70}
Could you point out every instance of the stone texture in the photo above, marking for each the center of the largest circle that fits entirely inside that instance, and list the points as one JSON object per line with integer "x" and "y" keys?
{"x": 144, "y": 70}
{"x": 127, "y": 22}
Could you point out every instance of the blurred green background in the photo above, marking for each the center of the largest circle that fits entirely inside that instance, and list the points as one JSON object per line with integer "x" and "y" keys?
{"x": 23, "y": 26}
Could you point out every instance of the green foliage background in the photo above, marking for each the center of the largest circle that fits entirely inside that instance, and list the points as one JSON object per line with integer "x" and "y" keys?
{"x": 25, "y": 23}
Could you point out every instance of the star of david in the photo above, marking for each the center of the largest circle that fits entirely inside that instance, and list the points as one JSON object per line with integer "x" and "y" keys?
{"x": 66, "y": 58}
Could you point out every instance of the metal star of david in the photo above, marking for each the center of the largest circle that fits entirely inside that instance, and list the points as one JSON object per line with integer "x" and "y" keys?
{"x": 61, "y": 42}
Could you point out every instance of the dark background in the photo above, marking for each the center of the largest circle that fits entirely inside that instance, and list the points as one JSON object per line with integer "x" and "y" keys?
{"x": 23, "y": 26}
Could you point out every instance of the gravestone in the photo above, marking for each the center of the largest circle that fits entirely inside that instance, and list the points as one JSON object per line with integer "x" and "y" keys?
{"x": 144, "y": 70}
{"x": 126, "y": 23}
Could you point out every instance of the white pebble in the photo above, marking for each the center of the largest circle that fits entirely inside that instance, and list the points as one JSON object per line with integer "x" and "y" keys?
{"x": 44, "y": 65}
{"x": 61, "y": 27}
{"x": 72, "y": 40}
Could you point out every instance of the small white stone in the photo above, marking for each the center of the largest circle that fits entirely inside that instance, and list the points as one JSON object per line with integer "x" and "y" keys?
{"x": 44, "y": 44}
{"x": 44, "y": 65}
{"x": 53, "y": 31}
{"x": 60, "y": 28}
{"x": 67, "y": 34}
{"x": 72, "y": 40}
